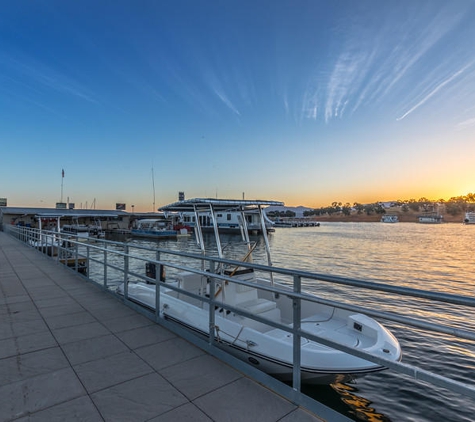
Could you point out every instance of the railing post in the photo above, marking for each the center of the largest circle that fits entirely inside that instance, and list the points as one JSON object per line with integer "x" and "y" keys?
{"x": 105, "y": 265}
{"x": 126, "y": 271}
{"x": 76, "y": 252}
{"x": 297, "y": 318}
{"x": 48, "y": 239}
{"x": 212, "y": 314}
{"x": 88, "y": 261}
{"x": 157, "y": 290}
{"x": 59, "y": 242}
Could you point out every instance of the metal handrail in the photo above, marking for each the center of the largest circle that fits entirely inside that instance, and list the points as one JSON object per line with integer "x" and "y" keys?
{"x": 104, "y": 247}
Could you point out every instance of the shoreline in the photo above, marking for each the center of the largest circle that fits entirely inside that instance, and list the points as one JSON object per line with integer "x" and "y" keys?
{"x": 404, "y": 217}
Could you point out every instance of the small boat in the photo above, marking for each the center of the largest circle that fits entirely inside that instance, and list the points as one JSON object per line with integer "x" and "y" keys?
{"x": 263, "y": 346}
{"x": 283, "y": 224}
{"x": 79, "y": 230}
{"x": 469, "y": 217}
{"x": 389, "y": 218}
{"x": 96, "y": 230}
{"x": 84, "y": 231}
{"x": 430, "y": 218}
{"x": 295, "y": 222}
{"x": 154, "y": 228}
{"x": 49, "y": 246}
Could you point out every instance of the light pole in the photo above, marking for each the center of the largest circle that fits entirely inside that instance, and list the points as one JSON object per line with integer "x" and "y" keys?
{"x": 133, "y": 206}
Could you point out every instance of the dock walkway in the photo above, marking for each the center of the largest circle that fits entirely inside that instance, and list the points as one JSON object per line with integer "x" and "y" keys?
{"x": 69, "y": 351}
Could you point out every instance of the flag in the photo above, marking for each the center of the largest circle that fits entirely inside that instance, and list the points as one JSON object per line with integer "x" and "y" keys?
{"x": 62, "y": 173}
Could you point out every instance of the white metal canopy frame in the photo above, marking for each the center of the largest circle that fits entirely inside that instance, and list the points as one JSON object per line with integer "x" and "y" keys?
{"x": 211, "y": 206}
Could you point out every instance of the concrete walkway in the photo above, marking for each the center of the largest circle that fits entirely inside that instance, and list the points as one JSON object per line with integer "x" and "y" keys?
{"x": 69, "y": 351}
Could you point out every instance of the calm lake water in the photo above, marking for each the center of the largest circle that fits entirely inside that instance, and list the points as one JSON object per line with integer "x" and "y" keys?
{"x": 431, "y": 257}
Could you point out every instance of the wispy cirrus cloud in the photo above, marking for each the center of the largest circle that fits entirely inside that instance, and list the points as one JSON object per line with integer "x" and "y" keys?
{"x": 377, "y": 62}
{"x": 310, "y": 104}
{"x": 435, "y": 91}
{"x": 175, "y": 75}
{"x": 415, "y": 41}
{"x": 223, "y": 97}
{"x": 465, "y": 124}
{"x": 38, "y": 76}
{"x": 217, "y": 84}
{"x": 26, "y": 98}
{"x": 345, "y": 81}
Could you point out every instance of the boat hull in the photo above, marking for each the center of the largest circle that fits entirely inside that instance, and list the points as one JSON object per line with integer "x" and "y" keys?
{"x": 152, "y": 234}
{"x": 277, "y": 368}
{"x": 270, "y": 349}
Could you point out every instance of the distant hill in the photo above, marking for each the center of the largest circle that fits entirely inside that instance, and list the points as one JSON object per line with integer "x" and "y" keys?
{"x": 297, "y": 210}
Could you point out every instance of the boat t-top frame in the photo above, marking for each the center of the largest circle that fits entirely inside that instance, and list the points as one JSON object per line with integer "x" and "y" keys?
{"x": 211, "y": 206}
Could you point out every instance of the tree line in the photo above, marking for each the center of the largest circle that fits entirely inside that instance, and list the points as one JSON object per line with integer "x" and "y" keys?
{"x": 454, "y": 206}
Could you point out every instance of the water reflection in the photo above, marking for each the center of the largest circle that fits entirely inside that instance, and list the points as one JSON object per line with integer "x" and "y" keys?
{"x": 344, "y": 399}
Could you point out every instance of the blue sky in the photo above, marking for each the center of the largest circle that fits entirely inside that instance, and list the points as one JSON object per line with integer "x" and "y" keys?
{"x": 307, "y": 102}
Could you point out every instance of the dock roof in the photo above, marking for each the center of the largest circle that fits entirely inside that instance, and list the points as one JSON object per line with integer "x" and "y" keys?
{"x": 218, "y": 204}
{"x": 54, "y": 212}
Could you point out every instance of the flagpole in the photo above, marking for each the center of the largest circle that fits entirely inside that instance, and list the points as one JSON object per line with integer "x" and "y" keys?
{"x": 62, "y": 179}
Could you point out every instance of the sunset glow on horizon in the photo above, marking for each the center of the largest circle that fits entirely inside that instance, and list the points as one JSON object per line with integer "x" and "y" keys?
{"x": 303, "y": 102}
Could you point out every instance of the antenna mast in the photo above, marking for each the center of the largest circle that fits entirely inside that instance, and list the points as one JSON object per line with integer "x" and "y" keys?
{"x": 153, "y": 186}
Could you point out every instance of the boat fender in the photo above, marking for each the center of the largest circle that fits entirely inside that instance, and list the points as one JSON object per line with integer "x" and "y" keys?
{"x": 216, "y": 329}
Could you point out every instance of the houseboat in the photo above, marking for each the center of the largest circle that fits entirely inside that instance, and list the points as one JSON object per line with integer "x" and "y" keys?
{"x": 430, "y": 218}
{"x": 389, "y": 218}
{"x": 469, "y": 217}
{"x": 229, "y": 221}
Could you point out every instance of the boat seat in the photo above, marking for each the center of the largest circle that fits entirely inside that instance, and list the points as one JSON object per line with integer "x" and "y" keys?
{"x": 241, "y": 288}
{"x": 258, "y": 306}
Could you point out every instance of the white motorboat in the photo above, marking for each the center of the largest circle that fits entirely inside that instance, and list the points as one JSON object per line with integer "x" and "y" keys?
{"x": 46, "y": 245}
{"x": 153, "y": 228}
{"x": 79, "y": 230}
{"x": 264, "y": 346}
{"x": 96, "y": 230}
{"x": 158, "y": 228}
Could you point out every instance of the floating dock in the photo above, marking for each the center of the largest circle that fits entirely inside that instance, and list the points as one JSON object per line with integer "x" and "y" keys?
{"x": 81, "y": 264}
{"x": 296, "y": 222}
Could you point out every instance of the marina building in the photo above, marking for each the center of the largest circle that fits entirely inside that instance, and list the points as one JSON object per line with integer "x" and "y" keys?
{"x": 51, "y": 218}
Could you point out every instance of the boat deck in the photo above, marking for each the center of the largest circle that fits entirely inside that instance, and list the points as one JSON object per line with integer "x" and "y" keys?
{"x": 70, "y": 351}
